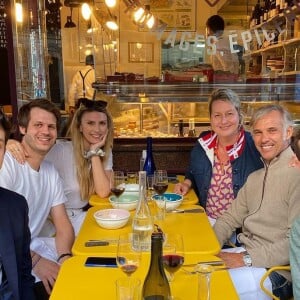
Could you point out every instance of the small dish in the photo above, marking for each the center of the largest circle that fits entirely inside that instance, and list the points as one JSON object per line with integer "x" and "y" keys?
{"x": 128, "y": 200}
{"x": 172, "y": 200}
{"x": 131, "y": 187}
{"x": 112, "y": 218}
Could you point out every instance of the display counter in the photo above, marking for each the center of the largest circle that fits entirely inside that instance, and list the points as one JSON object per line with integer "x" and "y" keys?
{"x": 158, "y": 110}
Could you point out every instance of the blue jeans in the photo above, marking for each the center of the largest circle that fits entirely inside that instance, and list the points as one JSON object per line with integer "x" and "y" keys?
{"x": 281, "y": 287}
{"x": 5, "y": 292}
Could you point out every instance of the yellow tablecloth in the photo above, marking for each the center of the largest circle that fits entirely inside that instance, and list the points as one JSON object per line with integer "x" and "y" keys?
{"x": 189, "y": 198}
{"x": 198, "y": 235}
{"x": 77, "y": 282}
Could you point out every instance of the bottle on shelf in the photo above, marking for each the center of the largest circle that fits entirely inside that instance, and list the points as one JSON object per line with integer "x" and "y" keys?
{"x": 156, "y": 285}
{"x": 252, "y": 20}
{"x": 262, "y": 12}
{"x": 142, "y": 220}
{"x": 149, "y": 165}
{"x": 266, "y": 10}
{"x": 180, "y": 128}
{"x": 143, "y": 159}
{"x": 256, "y": 14}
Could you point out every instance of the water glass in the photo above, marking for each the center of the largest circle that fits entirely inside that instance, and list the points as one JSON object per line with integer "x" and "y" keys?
{"x": 160, "y": 209}
{"x": 204, "y": 274}
{"x": 128, "y": 288}
{"x": 132, "y": 177}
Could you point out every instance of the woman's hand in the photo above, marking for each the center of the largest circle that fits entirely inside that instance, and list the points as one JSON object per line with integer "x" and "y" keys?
{"x": 182, "y": 188}
{"x": 16, "y": 149}
{"x": 101, "y": 143}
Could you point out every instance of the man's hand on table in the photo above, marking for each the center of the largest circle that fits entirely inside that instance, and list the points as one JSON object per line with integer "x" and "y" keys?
{"x": 232, "y": 260}
{"x": 47, "y": 271}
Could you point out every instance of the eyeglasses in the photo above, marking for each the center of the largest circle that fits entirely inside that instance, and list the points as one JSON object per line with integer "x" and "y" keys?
{"x": 94, "y": 104}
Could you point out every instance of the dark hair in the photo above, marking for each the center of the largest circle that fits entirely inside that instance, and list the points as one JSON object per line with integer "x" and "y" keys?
{"x": 215, "y": 23}
{"x": 93, "y": 104}
{"x": 24, "y": 112}
{"x": 5, "y": 125}
{"x": 89, "y": 60}
{"x": 295, "y": 141}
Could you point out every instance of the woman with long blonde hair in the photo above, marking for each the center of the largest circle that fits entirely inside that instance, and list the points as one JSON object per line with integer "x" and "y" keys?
{"x": 85, "y": 162}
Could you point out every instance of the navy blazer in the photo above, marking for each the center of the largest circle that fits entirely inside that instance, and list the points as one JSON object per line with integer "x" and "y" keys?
{"x": 15, "y": 244}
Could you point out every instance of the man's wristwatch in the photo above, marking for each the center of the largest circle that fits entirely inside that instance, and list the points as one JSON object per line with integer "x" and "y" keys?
{"x": 247, "y": 260}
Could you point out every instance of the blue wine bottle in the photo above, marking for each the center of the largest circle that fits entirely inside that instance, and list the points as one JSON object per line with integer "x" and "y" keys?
{"x": 149, "y": 165}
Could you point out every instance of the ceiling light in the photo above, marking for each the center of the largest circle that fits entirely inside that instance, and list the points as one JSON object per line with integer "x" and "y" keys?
{"x": 19, "y": 12}
{"x": 111, "y": 3}
{"x": 139, "y": 15}
{"x": 86, "y": 11}
{"x": 112, "y": 23}
{"x": 150, "y": 22}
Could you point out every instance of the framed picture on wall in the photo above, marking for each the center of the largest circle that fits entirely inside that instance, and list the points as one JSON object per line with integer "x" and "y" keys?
{"x": 179, "y": 14}
{"x": 140, "y": 52}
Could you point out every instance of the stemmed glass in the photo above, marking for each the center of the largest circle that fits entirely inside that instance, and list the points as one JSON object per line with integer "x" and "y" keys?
{"x": 173, "y": 254}
{"x": 117, "y": 183}
{"x": 160, "y": 182}
{"x": 128, "y": 253}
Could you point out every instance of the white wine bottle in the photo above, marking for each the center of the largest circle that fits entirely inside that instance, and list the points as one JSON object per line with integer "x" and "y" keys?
{"x": 142, "y": 223}
{"x": 156, "y": 285}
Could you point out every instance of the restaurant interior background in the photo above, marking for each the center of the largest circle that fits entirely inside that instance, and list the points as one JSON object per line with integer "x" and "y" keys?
{"x": 163, "y": 80}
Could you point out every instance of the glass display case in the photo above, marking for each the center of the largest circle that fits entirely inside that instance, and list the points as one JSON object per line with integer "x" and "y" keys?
{"x": 159, "y": 110}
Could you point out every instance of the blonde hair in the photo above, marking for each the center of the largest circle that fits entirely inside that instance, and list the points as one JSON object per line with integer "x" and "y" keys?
{"x": 83, "y": 165}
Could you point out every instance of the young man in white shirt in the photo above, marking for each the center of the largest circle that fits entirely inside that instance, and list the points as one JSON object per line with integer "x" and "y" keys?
{"x": 38, "y": 181}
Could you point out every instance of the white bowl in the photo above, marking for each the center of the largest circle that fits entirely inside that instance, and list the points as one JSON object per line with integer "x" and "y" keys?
{"x": 112, "y": 218}
{"x": 131, "y": 187}
{"x": 172, "y": 200}
{"x": 128, "y": 200}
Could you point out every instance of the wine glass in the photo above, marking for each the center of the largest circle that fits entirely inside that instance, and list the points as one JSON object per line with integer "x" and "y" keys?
{"x": 117, "y": 183}
{"x": 160, "y": 182}
{"x": 128, "y": 253}
{"x": 173, "y": 254}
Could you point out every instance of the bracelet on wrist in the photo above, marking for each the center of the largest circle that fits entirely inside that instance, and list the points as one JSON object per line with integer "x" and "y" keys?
{"x": 63, "y": 255}
{"x": 95, "y": 152}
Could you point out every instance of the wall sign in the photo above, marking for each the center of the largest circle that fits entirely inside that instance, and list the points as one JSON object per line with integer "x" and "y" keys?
{"x": 178, "y": 14}
{"x": 212, "y": 3}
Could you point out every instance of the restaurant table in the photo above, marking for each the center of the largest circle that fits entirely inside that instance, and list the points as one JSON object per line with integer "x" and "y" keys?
{"x": 198, "y": 235}
{"x": 77, "y": 282}
{"x": 189, "y": 198}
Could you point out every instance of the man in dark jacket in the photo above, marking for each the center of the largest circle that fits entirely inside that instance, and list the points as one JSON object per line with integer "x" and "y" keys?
{"x": 16, "y": 281}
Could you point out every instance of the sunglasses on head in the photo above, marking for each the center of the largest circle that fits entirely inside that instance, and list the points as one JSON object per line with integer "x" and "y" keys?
{"x": 97, "y": 104}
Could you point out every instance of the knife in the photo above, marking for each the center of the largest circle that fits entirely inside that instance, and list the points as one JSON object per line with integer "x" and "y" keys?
{"x": 212, "y": 263}
{"x": 96, "y": 243}
{"x": 192, "y": 210}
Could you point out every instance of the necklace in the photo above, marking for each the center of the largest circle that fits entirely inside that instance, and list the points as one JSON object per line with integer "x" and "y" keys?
{"x": 222, "y": 154}
{"x": 222, "y": 157}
